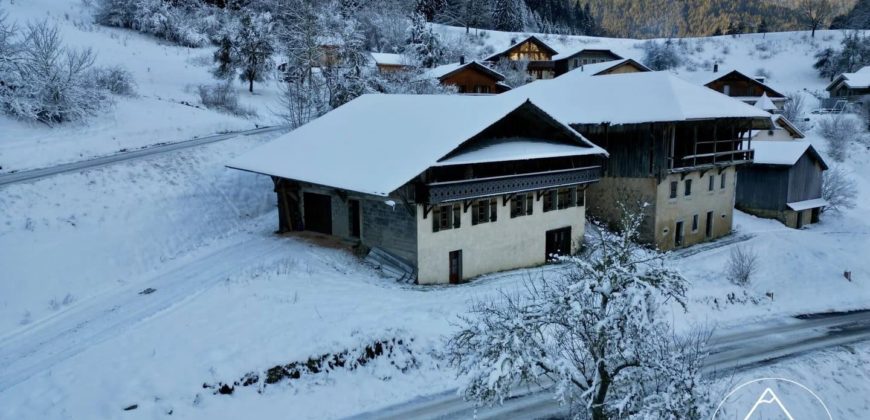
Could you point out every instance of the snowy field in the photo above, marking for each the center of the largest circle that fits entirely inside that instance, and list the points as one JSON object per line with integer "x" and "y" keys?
{"x": 229, "y": 297}
{"x": 167, "y": 107}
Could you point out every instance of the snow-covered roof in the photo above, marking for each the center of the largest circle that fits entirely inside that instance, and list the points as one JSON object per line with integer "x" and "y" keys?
{"x": 707, "y": 77}
{"x": 765, "y": 103}
{"x": 500, "y": 150}
{"x": 807, "y": 204}
{"x": 778, "y": 152}
{"x": 568, "y": 53}
{"x": 445, "y": 70}
{"x": 788, "y": 126}
{"x": 633, "y": 98}
{"x": 390, "y": 59}
{"x": 596, "y": 68}
{"x": 857, "y": 80}
{"x": 377, "y": 143}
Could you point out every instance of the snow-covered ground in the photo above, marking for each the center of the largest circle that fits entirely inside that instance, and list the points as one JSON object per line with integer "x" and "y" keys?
{"x": 231, "y": 298}
{"x": 166, "y": 109}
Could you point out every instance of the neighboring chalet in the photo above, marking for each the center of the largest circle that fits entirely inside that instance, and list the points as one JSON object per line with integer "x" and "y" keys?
{"x": 853, "y": 87}
{"x": 470, "y": 78}
{"x": 625, "y": 65}
{"x": 782, "y": 129}
{"x": 565, "y": 62}
{"x": 538, "y": 54}
{"x": 738, "y": 86}
{"x": 453, "y": 186}
{"x": 784, "y": 182}
{"x": 388, "y": 63}
{"x": 672, "y": 144}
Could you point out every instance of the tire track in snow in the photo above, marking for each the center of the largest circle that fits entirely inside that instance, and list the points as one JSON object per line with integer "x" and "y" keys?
{"x": 32, "y": 350}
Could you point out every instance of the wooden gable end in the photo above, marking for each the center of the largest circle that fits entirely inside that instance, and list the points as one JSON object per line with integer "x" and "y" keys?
{"x": 739, "y": 84}
{"x": 471, "y": 79}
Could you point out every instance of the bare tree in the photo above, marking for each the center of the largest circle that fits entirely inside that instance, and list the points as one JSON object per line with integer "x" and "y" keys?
{"x": 742, "y": 265}
{"x": 815, "y": 13}
{"x": 841, "y": 130}
{"x": 794, "y": 110}
{"x": 838, "y": 189}
{"x": 596, "y": 332}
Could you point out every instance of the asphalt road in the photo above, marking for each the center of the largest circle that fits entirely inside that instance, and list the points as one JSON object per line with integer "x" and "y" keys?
{"x": 752, "y": 345}
{"x": 35, "y": 174}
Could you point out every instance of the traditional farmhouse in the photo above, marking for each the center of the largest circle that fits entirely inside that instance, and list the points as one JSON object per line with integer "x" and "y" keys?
{"x": 453, "y": 186}
{"x": 852, "y": 87}
{"x": 738, "y": 85}
{"x": 388, "y": 63}
{"x": 625, "y": 65}
{"x": 469, "y": 78}
{"x": 570, "y": 60}
{"x": 784, "y": 182}
{"x": 672, "y": 144}
{"x": 537, "y": 53}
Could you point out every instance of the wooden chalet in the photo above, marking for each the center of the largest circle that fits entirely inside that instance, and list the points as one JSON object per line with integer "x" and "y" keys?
{"x": 672, "y": 144}
{"x": 469, "y": 78}
{"x": 784, "y": 182}
{"x": 501, "y": 186}
{"x": 565, "y": 62}
{"x": 738, "y": 85}
{"x": 538, "y": 54}
{"x": 388, "y": 63}
{"x": 851, "y": 86}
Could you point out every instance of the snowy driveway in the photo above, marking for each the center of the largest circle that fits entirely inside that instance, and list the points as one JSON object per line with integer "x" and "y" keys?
{"x": 38, "y": 347}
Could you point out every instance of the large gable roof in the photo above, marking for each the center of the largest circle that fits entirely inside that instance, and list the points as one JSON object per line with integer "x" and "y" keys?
{"x": 633, "y": 98}
{"x": 597, "y": 69}
{"x": 783, "y": 153}
{"x": 857, "y": 80}
{"x": 377, "y": 143}
{"x": 567, "y": 54}
{"x": 446, "y": 70}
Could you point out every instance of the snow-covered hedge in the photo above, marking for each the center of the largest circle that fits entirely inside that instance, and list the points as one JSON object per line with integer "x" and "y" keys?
{"x": 191, "y": 25}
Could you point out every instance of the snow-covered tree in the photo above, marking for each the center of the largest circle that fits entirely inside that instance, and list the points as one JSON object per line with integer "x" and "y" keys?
{"x": 224, "y": 59}
{"x": 838, "y": 189}
{"x": 597, "y": 332}
{"x": 507, "y": 15}
{"x": 661, "y": 55}
{"x": 423, "y": 44}
{"x": 48, "y": 82}
{"x": 466, "y": 13}
{"x": 253, "y": 46}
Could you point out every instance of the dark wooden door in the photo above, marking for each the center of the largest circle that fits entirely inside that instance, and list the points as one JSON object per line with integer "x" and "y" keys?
{"x": 708, "y": 229}
{"x": 455, "y": 266}
{"x": 678, "y": 235}
{"x": 558, "y": 242}
{"x": 353, "y": 215}
{"x": 318, "y": 213}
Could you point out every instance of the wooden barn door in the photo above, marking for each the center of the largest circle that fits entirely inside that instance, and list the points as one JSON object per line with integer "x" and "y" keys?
{"x": 318, "y": 212}
{"x": 353, "y": 215}
{"x": 558, "y": 242}
{"x": 455, "y": 266}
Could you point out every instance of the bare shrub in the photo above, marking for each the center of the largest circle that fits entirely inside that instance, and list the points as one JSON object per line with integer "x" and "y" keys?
{"x": 222, "y": 97}
{"x": 794, "y": 110}
{"x": 742, "y": 265}
{"x": 115, "y": 79}
{"x": 838, "y": 189}
{"x": 49, "y": 82}
{"x": 840, "y": 130}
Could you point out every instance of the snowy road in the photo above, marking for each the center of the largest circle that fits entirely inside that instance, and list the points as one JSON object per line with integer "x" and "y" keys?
{"x": 30, "y": 175}
{"x": 752, "y": 345}
{"x": 40, "y": 346}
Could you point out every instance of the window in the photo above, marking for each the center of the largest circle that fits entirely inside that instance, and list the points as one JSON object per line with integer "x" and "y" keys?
{"x": 688, "y": 187}
{"x": 566, "y": 197}
{"x": 710, "y": 184}
{"x": 727, "y": 90}
{"x": 581, "y": 197}
{"x": 462, "y": 89}
{"x": 483, "y": 211}
{"x": 695, "y": 223}
{"x": 481, "y": 89}
{"x": 722, "y": 181}
{"x": 673, "y": 189}
{"x": 549, "y": 200}
{"x": 446, "y": 217}
{"x": 522, "y": 205}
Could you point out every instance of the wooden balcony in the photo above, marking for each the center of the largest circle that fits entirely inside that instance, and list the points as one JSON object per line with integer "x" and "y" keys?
{"x": 442, "y": 192}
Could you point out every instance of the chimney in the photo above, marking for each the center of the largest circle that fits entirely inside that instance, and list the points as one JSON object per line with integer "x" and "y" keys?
{"x": 715, "y": 67}
{"x": 461, "y": 59}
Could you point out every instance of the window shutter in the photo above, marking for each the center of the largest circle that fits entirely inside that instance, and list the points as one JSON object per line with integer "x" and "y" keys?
{"x": 474, "y": 214}
{"x": 493, "y": 210}
{"x": 457, "y": 215}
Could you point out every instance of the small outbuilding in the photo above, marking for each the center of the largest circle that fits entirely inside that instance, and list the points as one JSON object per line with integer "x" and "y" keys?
{"x": 738, "y": 85}
{"x": 851, "y": 86}
{"x": 469, "y": 77}
{"x": 784, "y": 182}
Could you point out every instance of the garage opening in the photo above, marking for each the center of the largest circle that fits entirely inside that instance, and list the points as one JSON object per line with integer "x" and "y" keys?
{"x": 558, "y": 243}
{"x": 318, "y": 212}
